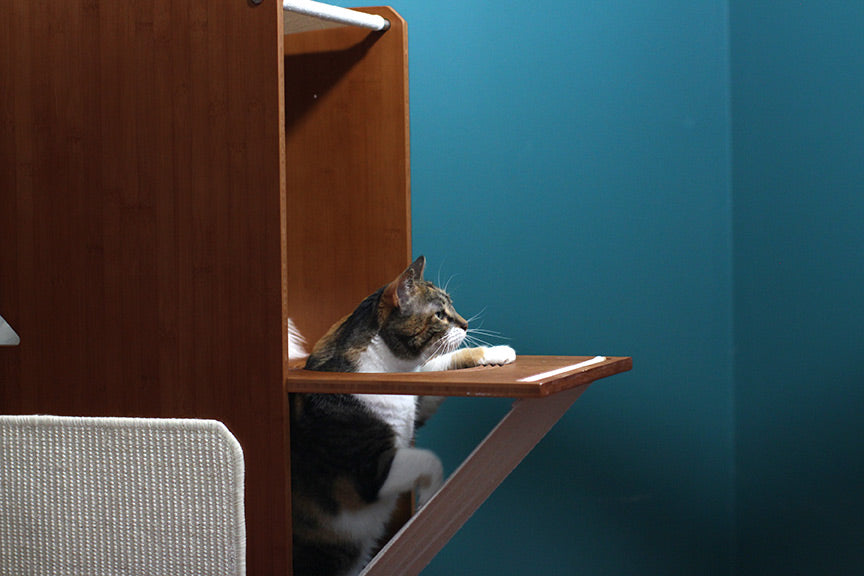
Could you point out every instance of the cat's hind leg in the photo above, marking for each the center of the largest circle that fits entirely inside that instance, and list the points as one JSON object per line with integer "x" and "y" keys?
{"x": 414, "y": 468}
{"x": 426, "y": 408}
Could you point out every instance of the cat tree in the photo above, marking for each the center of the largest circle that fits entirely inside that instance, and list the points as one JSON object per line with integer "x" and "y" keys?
{"x": 179, "y": 178}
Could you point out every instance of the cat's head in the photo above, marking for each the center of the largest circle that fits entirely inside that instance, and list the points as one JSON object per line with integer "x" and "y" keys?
{"x": 417, "y": 318}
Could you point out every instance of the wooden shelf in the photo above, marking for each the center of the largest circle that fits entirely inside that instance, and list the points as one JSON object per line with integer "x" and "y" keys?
{"x": 487, "y": 381}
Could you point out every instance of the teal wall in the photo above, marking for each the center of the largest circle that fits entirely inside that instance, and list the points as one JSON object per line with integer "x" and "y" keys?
{"x": 681, "y": 181}
{"x": 798, "y": 176}
{"x": 571, "y": 170}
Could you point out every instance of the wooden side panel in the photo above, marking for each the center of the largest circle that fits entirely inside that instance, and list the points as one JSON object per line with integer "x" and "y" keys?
{"x": 346, "y": 92}
{"x": 140, "y": 223}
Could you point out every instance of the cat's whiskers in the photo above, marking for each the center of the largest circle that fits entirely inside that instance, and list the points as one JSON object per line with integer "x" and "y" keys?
{"x": 490, "y": 333}
{"x": 447, "y": 284}
{"x": 454, "y": 339}
{"x": 448, "y": 343}
{"x": 474, "y": 342}
{"x": 440, "y": 348}
{"x": 480, "y": 337}
{"x": 476, "y": 317}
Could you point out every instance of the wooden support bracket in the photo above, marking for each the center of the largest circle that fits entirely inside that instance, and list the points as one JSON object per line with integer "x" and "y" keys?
{"x": 471, "y": 484}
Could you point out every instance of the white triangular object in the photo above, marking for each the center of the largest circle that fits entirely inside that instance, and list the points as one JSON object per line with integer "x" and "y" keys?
{"x": 8, "y": 336}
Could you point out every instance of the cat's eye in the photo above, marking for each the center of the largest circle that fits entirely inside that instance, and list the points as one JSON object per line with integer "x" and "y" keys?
{"x": 441, "y": 315}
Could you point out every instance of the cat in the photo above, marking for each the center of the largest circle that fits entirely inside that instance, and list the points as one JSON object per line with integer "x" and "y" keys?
{"x": 352, "y": 454}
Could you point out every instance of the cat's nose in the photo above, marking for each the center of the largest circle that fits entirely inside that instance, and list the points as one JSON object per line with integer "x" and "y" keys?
{"x": 461, "y": 322}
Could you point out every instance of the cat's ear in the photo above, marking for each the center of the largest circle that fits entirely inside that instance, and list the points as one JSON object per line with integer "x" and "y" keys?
{"x": 418, "y": 267}
{"x": 401, "y": 290}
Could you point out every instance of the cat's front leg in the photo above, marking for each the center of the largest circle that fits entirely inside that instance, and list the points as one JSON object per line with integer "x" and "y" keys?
{"x": 469, "y": 357}
{"x": 414, "y": 468}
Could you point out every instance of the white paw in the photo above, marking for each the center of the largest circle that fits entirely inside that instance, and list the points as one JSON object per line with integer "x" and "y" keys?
{"x": 428, "y": 484}
{"x": 498, "y": 355}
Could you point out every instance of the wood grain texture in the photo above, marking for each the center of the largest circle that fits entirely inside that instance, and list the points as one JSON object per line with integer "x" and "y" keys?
{"x": 490, "y": 381}
{"x": 347, "y": 154}
{"x": 140, "y": 208}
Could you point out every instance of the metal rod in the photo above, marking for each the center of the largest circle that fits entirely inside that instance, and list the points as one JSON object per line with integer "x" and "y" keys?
{"x": 336, "y": 14}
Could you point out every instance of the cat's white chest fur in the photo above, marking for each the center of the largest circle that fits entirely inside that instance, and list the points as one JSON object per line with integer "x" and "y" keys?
{"x": 398, "y": 411}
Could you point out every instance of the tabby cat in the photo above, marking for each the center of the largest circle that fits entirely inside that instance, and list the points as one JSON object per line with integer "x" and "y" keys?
{"x": 352, "y": 454}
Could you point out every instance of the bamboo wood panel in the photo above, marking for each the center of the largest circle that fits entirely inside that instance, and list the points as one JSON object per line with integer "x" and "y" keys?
{"x": 347, "y": 154}
{"x": 141, "y": 217}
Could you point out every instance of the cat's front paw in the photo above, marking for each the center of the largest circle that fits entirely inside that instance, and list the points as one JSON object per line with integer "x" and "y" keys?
{"x": 496, "y": 355}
